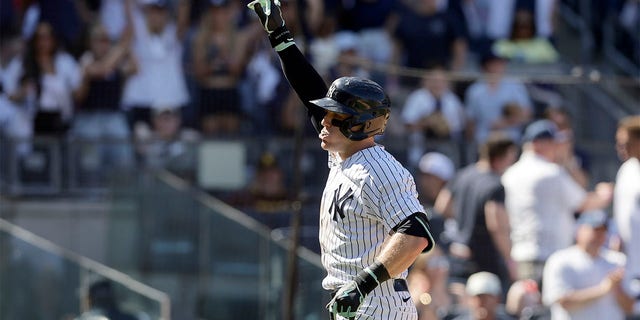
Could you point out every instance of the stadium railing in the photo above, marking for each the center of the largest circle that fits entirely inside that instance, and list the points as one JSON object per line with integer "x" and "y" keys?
{"x": 41, "y": 280}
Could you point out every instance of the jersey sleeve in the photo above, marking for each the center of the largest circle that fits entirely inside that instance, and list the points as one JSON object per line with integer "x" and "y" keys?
{"x": 392, "y": 196}
{"x": 305, "y": 81}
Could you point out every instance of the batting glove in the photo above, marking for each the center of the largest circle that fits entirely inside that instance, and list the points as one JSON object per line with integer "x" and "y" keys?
{"x": 271, "y": 18}
{"x": 269, "y": 13}
{"x": 349, "y": 297}
{"x": 346, "y": 301}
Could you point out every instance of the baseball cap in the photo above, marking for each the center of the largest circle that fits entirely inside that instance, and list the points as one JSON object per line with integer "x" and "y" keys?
{"x": 593, "y": 218}
{"x": 483, "y": 283}
{"x": 437, "y": 164}
{"x": 542, "y": 129}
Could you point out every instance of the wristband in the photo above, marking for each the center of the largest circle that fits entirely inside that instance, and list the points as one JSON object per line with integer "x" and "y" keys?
{"x": 373, "y": 275}
{"x": 281, "y": 38}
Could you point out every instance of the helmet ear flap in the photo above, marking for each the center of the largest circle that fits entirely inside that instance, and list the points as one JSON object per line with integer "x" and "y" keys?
{"x": 368, "y": 128}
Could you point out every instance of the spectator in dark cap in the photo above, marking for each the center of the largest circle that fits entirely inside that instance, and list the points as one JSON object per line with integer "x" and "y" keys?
{"x": 541, "y": 199}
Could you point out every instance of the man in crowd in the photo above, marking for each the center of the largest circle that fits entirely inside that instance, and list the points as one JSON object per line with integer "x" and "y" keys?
{"x": 584, "y": 281}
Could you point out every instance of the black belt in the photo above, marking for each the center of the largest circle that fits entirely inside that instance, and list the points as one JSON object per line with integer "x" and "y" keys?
{"x": 399, "y": 285}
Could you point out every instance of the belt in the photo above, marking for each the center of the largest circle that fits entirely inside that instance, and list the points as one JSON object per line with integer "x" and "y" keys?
{"x": 399, "y": 285}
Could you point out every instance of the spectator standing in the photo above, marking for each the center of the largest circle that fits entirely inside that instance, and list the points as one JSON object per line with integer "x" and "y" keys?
{"x": 571, "y": 157}
{"x": 370, "y": 21}
{"x": 221, "y": 51}
{"x": 427, "y": 34}
{"x": 157, "y": 47}
{"x": 15, "y": 121}
{"x": 480, "y": 18}
{"x": 44, "y": 80}
{"x": 496, "y": 102}
{"x": 542, "y": 198}
{"x": 523, "y": 45}
{"x": 432, "y": 114}
{"x": 626, "y": 202}
{"x": 105, "y": 67}
{"x": 475, "y": 198}
{"x": 490, "y": 20}
{"x": 584, "y": 281}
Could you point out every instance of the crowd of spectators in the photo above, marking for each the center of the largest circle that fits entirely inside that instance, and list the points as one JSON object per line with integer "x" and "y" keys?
{"x": 521, "y": 237}
{"x": 91, "y": 69}
{"x": 160, "y": 74}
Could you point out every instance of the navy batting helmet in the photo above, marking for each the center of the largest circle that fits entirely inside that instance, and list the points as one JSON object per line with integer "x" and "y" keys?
{"x": 362, "y": 99}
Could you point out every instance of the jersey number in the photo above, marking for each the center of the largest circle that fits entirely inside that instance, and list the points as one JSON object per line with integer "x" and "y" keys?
{"x": 337, "y": 205}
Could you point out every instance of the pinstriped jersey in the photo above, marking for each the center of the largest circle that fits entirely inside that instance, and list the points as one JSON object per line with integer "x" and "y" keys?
{"x": 365, "y": 197}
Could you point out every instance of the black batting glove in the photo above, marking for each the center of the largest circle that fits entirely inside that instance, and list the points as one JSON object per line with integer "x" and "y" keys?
{"x": 270, "y": 16}
{"x": 349, "y": 297}
{"x": 346, "y": 301}
{"x": 269, "y": 13}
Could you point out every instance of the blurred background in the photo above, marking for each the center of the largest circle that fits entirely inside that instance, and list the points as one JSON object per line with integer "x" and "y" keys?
{"x": 152, "y": 154}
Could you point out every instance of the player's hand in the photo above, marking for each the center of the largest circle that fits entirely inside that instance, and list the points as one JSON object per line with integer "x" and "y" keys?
{"x": 269, "y": 13}
{"x": 346, "y": 301}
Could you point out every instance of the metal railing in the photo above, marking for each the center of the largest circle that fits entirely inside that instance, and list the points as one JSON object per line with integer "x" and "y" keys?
{"x": 170, "y": 233}
{"x": 41, "y": 280}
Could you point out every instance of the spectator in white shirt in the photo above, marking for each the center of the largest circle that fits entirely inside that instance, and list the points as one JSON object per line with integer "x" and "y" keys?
{"x": 157, "y": 47}
{"x": 542, "y": 198}
{"x": 15, "y": 122}
{"x": 626, "y": 202}
{"x": 584, "y": 281}
{"x": 432, "y": 113}
{"x": 45, "y": 80}
{"x": 488, "y": 101}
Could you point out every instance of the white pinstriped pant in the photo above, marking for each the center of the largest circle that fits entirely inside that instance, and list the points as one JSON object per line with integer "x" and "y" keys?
{"x": 394, "y": 305}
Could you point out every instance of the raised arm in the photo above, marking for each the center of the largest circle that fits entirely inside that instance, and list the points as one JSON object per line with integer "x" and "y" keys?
{"x": 302, "y": 76}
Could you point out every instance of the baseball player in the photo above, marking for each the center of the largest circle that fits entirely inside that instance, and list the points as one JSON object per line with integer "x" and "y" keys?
{"x": 372, "y": 226}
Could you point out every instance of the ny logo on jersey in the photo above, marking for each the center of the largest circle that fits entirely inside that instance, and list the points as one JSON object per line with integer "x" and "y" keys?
{"x": 338, "y": 203}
